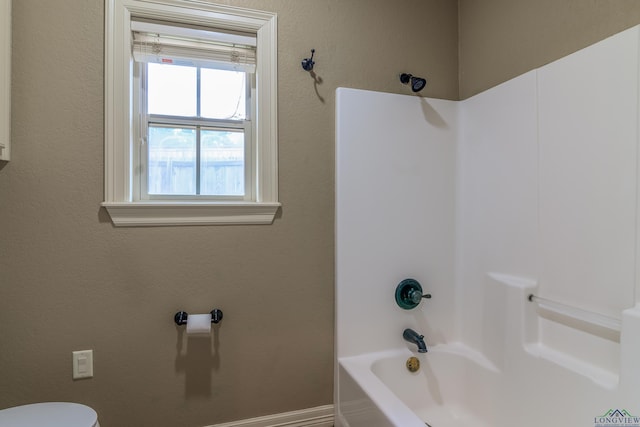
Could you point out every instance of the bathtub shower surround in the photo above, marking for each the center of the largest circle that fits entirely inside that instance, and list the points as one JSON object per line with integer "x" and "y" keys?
{"x": 395, "y": 188}
{"x": 395, "y": 165}
{"x": 529, "y": 188}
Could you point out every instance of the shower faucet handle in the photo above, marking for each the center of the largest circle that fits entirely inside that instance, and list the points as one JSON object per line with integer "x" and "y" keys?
{"x": 416, "y": 295}
{"x": 409, "y": 294}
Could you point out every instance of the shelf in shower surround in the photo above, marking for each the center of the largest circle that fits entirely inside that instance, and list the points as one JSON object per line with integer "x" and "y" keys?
{"x": 598, "y": 375}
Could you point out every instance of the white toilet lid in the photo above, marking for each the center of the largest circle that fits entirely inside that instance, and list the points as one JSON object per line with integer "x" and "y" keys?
{"x": 50, "y": 414}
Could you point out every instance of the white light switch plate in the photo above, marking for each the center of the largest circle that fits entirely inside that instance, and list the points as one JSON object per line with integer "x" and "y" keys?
{"x": 82, "y": 364}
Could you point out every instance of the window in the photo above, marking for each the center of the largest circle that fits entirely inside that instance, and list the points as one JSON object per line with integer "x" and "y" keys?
{"x": 190, "y": 114}
{"x": 192, "y": 97}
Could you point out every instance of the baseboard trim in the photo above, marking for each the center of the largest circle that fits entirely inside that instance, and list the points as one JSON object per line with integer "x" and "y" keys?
{"x": 320, "y": 416}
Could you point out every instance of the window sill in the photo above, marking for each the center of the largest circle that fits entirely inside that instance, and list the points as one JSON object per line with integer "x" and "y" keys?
{"x": 150, "y": 214}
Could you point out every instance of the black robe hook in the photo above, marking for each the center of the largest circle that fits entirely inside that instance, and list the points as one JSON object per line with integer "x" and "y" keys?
{"x": 307, "y": 63}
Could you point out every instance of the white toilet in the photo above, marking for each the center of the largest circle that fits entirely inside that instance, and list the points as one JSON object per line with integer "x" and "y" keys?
{"x": 50, "y": 414}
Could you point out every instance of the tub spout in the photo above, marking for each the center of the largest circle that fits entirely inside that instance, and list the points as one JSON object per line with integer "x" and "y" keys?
{"x": 415, "y": 338}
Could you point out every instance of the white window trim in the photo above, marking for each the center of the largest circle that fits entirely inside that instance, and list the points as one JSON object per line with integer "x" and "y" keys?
{"x": 118, "y": 191}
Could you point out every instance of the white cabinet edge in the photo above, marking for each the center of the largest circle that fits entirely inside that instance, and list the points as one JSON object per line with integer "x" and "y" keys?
{"x": 5, "y": 79}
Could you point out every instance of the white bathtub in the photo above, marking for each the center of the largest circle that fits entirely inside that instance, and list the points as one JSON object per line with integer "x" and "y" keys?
{"x": 453, "y": 388}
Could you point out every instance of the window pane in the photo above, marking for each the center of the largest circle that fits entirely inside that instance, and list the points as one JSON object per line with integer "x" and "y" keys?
{"x": 223, "y": 94}
{"x": 222, "y": 163}
{"x": 172, "y": 160}
{"x": 172, "y": 90}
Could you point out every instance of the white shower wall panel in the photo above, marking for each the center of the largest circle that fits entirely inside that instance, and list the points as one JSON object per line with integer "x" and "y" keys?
{"x": 395, "y": 196}
{"x": 547, "y": 190}
{"x": 496, "y": 197}
{"x": 588, "y": 124}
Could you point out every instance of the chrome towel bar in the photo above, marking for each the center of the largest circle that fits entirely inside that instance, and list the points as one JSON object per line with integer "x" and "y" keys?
{"x": 580, "y": 314}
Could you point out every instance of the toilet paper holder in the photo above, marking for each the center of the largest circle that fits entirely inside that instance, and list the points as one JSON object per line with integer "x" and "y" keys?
{"x": 181, "y": 317}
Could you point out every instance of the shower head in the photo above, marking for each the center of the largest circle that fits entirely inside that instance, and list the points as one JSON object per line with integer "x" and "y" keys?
{"x": 417, "y": 83}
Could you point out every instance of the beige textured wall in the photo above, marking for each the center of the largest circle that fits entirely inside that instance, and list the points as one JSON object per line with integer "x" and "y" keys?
{"x": 70, "y": 281}
{"x": 501, "y": 39}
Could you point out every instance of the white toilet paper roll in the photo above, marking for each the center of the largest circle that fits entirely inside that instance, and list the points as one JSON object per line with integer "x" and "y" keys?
{"x": 199, "y": 324}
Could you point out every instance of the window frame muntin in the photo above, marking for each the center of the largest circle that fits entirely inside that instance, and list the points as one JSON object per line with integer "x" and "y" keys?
{"x": 119, "y": 152}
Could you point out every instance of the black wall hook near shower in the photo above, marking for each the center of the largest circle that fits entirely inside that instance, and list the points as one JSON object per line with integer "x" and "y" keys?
{"x": 181, "y": 317}
{"x": 307, "y": 63}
